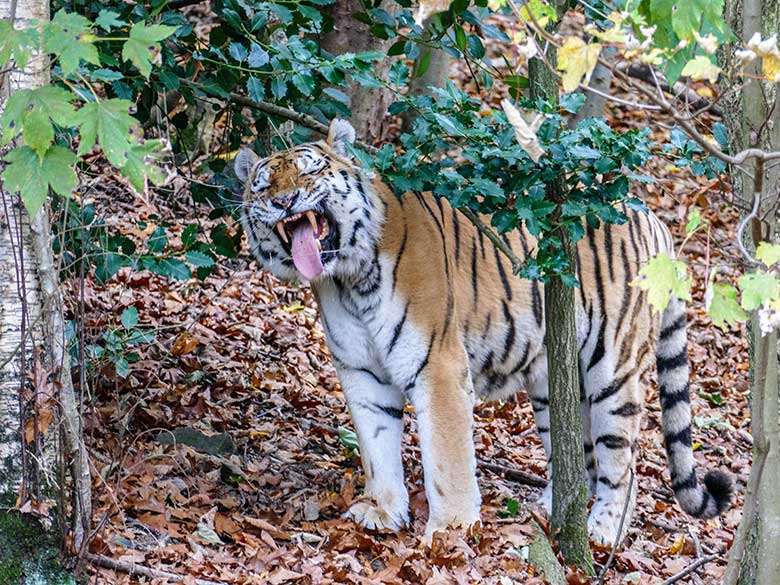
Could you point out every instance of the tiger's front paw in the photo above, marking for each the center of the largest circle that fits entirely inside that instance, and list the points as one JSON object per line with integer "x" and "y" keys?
{"x": 367, "y": 513}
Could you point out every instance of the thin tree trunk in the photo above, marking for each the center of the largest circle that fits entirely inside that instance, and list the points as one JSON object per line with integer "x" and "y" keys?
{"x": 369, "y": 106}
{"x": 755, "y": 556}
{"x": 32, "y": 325}
{"x": 570, "y": 494}
{"x": 20, "y": 306}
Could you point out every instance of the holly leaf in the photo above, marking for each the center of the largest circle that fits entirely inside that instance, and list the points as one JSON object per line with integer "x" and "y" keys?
{"x": 31, "y": 176}
{"x": 199, "y": 259}
{"x": 700, "y": 68}
{"x": 70, "y": 36}
{"x": 758, "y": 288}
{"x": 663, "y": 278}
{"x": 721, "y": 304}
{"x": 36, "y": 107}
{"x": 110, "y": 122}
{"x": 768, "y": 253}
{"x": 577, "y": 60}
{"x": 143, "y": 47}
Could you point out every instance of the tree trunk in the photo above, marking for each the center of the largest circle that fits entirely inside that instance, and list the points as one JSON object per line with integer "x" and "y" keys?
{"x": 32, "y": 335}
{"x": 570, "y": 494}
{"x": 369, "y": 106}
{"x": 20, "y": 305}
{"x": 755, "y": 555}
{"x": 435, "y": 75}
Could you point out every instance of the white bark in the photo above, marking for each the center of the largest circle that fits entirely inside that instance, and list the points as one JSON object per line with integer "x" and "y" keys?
{"x": 16, "y": 252}
{"x": 30, "y": 295}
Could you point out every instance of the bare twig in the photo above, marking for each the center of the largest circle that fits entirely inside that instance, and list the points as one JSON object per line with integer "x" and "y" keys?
{"x": 687, "y": 571}
{"x": 513, "y": 474}
{"x": 603, "y": 574}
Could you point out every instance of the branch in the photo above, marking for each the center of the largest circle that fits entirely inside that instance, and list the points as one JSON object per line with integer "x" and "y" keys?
{"x": 685, "y": 572}
{"x": 513, "y": 474}
{"x": 135, "y": 570}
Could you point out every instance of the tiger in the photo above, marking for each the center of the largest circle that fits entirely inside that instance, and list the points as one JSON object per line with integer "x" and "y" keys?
{"x": 418, "y": 307}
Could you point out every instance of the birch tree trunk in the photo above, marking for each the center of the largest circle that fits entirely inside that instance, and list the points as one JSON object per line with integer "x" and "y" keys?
{"x": 20, "y": 305}
{"x": 753, "y": 119}
{"x": 32, "y": 332}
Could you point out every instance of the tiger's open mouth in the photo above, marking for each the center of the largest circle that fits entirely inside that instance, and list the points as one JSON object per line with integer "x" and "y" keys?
{"x": 305, "y": 235}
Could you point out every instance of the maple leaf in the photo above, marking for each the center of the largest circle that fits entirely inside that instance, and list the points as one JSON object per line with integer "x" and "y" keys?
{"x": 758, "y": 288}
{"x": 32, "y": 176}
{"x": 700, "y": 68}
{"x": 721, "y": 304}
{"x": 143, "y": 47}
{"x": 663, "y": 278}
{"x": 768, "y": 253}
{"x": 577, "y": 60}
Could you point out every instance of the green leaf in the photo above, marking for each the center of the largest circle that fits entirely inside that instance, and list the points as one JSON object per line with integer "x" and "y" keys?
{"x": 348, "y": 438}
{"x": 157, "y": 241}
{"x": 175, "y": 269}
{"x": 37, "y": 106}
{"x": 460, "y": 38}
{"x": 714, "y": 398}
{"x": 758, "y": 288}
{"x": 32, "y": 176}
{"x": 255, "y": 89}
{"x": 721, "y": 135}
{"x": 38, "y": 132}
{"x": 140, "y": 166}
{"x": 694, "y": 221}
{"x": 110, "y": 122}
{"x": 768, "y": 253}
{"x": 70, "y": 36}
{"x": 722, "y": 306}
{"x": 663, "y": 278}
{"x": 143, "y": 47}
{"x": 108, "y": 20}
{"x": 199, "y": 259}
{"x": 279, "y": 87}
{"x": 129, "y": 317}
{"x": 258, "y": 56}
{"x": 17, "y": 44}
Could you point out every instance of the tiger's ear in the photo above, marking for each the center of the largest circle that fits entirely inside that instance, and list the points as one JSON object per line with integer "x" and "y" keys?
{"x": 244, "y": 163}
{"x": 340, "y": 135}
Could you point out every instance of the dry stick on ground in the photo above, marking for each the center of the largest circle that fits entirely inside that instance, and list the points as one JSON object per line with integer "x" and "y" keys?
{"x": 135, "y": 570}
{"x": 687, "y": 571}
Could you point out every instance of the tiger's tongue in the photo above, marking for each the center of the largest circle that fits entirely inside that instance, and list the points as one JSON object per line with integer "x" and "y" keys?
{"x": 305, "y": 253}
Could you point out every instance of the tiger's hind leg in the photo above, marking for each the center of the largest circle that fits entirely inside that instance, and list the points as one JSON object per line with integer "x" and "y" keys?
{"x": 615, "y": 411}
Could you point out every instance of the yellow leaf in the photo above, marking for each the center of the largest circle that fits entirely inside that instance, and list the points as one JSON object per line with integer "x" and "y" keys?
{"x": 677, "y": 545}
{"x": 772, "y": 68}
{"x": 577, "y": 60}
{"x": 700, "y": 68}
{"x": 496, "y": 5}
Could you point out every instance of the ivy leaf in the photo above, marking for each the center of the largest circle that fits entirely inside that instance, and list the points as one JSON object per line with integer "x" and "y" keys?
{"x": 721, "y": 304}
{"x": 70, "y": 36}
{"x": 768, "y": 253}
{"x": 663, "y": 278}
{"x": 32, "y": 176}
{"x": 108, "y": 19}
{"x": 577, "y": 60}
{"x": 37, "y": 106}
{"x": 143, "y": 47}
{"x": 758, "y": 288}
{"x": 110, "y": 122}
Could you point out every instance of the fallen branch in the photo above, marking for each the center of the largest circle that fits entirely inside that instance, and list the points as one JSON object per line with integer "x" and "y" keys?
{"x": 685, "y": 572}
{"x": 136, "y": 570}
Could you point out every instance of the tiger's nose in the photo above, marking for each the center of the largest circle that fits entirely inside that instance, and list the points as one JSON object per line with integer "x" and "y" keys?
{"x": 283, "y": 201}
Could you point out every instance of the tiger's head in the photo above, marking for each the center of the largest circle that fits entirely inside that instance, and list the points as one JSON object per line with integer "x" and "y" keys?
{"x": 310, "y": 212}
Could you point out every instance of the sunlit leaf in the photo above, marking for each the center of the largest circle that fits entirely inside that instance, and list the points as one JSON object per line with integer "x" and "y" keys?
{"x": 758, "y": 288}
{"x": 32, "y": 176}
{"x": 143, "y": 47}
{"x": 577, "y": 60}
{"x": 663, "y": 278}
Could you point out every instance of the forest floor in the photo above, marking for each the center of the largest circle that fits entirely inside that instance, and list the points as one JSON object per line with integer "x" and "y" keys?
{"x": 223, "y": 456}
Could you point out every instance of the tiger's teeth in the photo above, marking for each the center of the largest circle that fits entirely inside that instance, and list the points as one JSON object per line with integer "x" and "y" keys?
{"x": 282, "y": 233}
{"x": 312, "y": 220}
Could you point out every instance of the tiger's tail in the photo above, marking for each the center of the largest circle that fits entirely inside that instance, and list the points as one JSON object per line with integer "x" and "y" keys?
{"x": 672, "y": 362}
